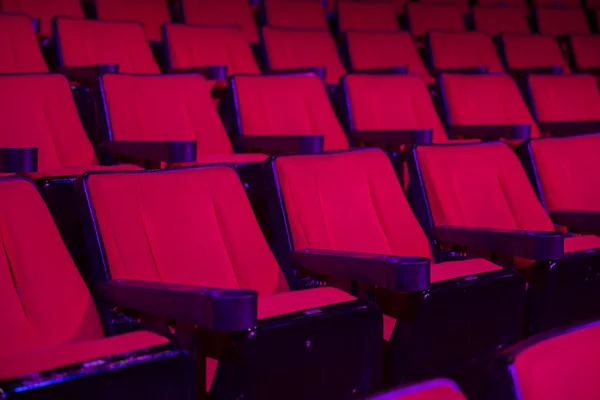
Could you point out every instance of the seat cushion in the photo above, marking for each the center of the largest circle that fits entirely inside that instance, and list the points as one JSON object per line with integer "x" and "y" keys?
{"x": 79, "y": 170}
{"x": 580, "y": 243}
{"x": 299, "y": 300}
{"x": 54, "y": 357}
{"x": 459, "y": 269}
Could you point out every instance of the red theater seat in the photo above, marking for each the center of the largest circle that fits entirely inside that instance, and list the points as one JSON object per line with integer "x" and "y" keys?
{"x": 290, "y": 49}
{"x": 456, "y": 51}
{"x": 504, "y": 3}
{"x": 532, "y": 54}
{"x": 438, "y": 389}
{"x": 44, "y": 10}
{"x": 19, "y": 48}
{"x": 152, "y": 13}
{"x": 382, "y": 50}
{"x": 561, "y": 21}
{"x": 462, "y": 5}
{"x": 556, "y": 3}
{"x": 367, "y": 16}
{"x": 496, "y": 20}
{"x": 423, "y": 18}
{"x": 295, "y": 14}
{"x": 586, "y": 53}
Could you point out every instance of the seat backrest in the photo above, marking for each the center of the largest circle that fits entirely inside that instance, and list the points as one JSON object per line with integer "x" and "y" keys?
{"x": 163, "y": 108}
{"x": 39, "y": 111}
{"x": 586, "y": 50}
{"x": 565, "y": 97}
{"x": 480, "y": 185}
{"x": 567, "y": 169}
{"x": 451, "y": 50}
{"x": 84, "y": 42}
{"x": 380, "y": 102}
{"x": 372, "y": 50}
{"x": 287, "y": 105}
{"x": 295, "y": 14}
{"x": 45, "y": 302}
{"x": 556, "y": 3}
{"x": 44, "y": 10}
{"x": 19, "y": 48}
{"x": 561, "y": 21}
{"x": 532, "y": 51}
{"x": 503, "y": 3}
{"x": 438, "y": 389}
{"x": 348, "y": 201}
{"x": 423, "y": 18}
{"x": 221, "y": 12}
{"x": 495, "y": 20}
{"x": 492, "y": 99}
{"x": 303, "y": 48}
{"x": 191, "y": 46}
{"x": 367, "y": 15}
{"x": 190, "y": 226}
{"x": 152, "y": 13}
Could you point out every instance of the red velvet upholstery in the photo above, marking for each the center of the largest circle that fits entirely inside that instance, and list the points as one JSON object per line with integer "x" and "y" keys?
{"x": 367, "y": 16}
{"x": 485, "y": 100}
{"x": 438, "y": 389}
{"x": 152, "y": 13}
{"x": 556, "y": 3}
{"x": 295, "y": 14}
{"x": 44, "y": 10}
{"x": 503, "y": 3}
{"x": 168, "y": 107}
{"x": 562, "y": 21}
{"x": 565, "y": 98}
{"x": 462, "y": 5}
{"x": 560, "y": 367}
{"x": 199, "y": 46}
{"x": 87, "y": 42}
{"x": 429, "y": 17}
{"x": 303, "y": 48}
{"x": 19, "y": 48}
{"x": 392, "y": 102}
{"x": 531, "y": 51}
{"x": 495, "y": 20}
{"x": 223, "y": 13}
{"x": 586, "y": 50}
{"x": 287, "y": 105}
{"x": 49, "y": 317}
{"x": 452, "y": 50}
{"x": 370, "y": 50}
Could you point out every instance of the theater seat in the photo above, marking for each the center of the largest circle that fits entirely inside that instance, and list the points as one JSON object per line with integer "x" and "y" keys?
{"x": 586, "y": 56}
{"x": 526, "y": 54}
{"x": 496, "y": 20}
{"x": 43, "y": 10}
{"x": 522, "y": 4}
{"x": 52, "y": 334}
{"x": 153, "y": 14}
{"x": 381, "y": 50}
{"x": 295, "y": 14}
{"x": 290, "y": 49}
{"x": 366, "y": 16}
{"x": 550, "y": 366}
{"x": 25, "y": 56}
{"x": 423, "y": 18}
{"x": 561, "y": 21}
{"x": 463, "y": 51}
{"x": 438, "y": 389}
{"x": 556, "y": 3}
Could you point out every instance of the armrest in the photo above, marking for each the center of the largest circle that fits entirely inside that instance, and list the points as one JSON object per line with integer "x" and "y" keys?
{"x": 158, "y": 151}
{"x": 591, "y": 71}
{"x": 541, "y": 246}
{"x": 388, "y": 272}
{"x": 524, "y": 72}
{"x": 577, "y": 221}
{"x": 568, "y": 128}
{"x": 13, "y": 160}
{"x": 211, "y": 72}
{"x": 467, "y": 71}
{"x": 306, "y": 144}
{"x": 87, "y": 73}
{"x": 492, "y": 132}
{"x": 319, "y": 71}
{"x": 225, "y": 310}
{"x": 400, "y": 70}
{"x": 393, "y": 137}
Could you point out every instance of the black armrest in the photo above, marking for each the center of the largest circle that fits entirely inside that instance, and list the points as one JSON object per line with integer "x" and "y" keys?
{"x": 524, "y": 72}
{"x": 400, "y": 70}
{"x": 577, "y": 221}
{"x": 224, "y": 310}
{"x": 492, "y": 132}
{"x": 87, "y": 73}
{"x": 541, "y": 246}
{"x": 568, "y": 128}
{"x": 211, "y": 72}
{"x": 13, "y": 160}
{"x": 466, "y": 71}
{"x": 163, "y": 151}
{"x": 388, "y": 272}
{"x": 393, "y": 137}
{"x": 591, "y": 71}
{"x": 306, "y": 144}
{"x": 319, "y": 71}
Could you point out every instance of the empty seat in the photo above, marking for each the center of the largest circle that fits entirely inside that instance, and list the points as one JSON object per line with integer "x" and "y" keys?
{"x": 531, "y": 53}
{"x": 423, "y": 18}
{"x": 439, "y": 389}
{"x": 295, "y": 14}
{"x": 19, "y": 48}
{"x": 556, "y": 3}
{"x": 367, "y": 16}
{"x": 221, "y": 12}
{"x": 52, "y": 334}
{"x": 381, "y": 50}
{"x": 44, "y": 10}
{"x": 87, "y": 43}
{"x": 463, "y": 51}
{"x": 586, "y": 52}
{"x": 289, "y": 49}
{"x": 152, "y": 13}
{"x": 522, "y": 4}
{"x": 462, "y": 5}
{"x": 191, "y": 46}
{"x": 561, "y": 21}
{"x": 496, "y": 20}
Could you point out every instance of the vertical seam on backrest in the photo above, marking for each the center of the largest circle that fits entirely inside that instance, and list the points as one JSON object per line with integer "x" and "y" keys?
{"x": 52, "y": 131}
{"x": 139, "y": 196}
{"x": 379, "y": 219}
